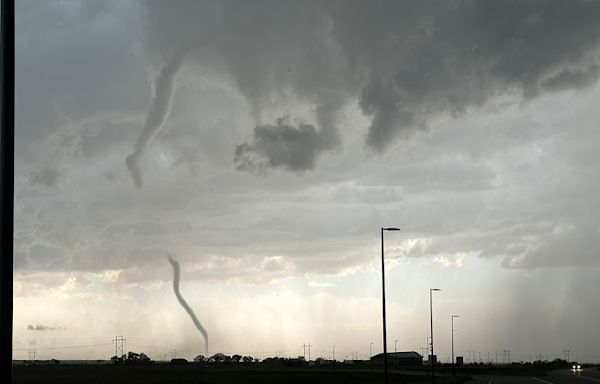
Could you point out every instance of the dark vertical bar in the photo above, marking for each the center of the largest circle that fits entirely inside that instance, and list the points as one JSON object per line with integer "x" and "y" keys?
{"x": 7, "y": 136}
{"x": 385, "y": 365}
{"x": 452, "y": 330}
{"x": 431, "y": 325}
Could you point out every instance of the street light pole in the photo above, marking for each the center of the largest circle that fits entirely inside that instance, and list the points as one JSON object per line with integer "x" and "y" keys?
{"x": 453, "y": 362}
{"x": 371, "y": 352}
{"x": 431, "y": 327}
{"x": 395, "y": 349}
{"x": 385, "y": 364}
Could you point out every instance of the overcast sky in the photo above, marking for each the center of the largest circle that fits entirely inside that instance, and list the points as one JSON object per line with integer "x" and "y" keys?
{"x": 269, "y": 141}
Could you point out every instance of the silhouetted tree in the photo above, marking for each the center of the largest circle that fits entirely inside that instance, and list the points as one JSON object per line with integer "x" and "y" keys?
{"x": 137, "y": 358}
{"x": 117, "y": 360}
{"x": 201, "y": 359}
{"x": 247, "y": 359}
{"x": 218, "y": 358}
{"x": 236, "y": 358}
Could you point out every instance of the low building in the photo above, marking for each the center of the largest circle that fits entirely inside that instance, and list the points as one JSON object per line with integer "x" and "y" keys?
{"x": 399, "y": 359}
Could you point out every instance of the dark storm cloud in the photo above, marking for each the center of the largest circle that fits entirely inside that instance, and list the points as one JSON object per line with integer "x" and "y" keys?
{"x": 278, "y": 53}
{"x": 281, "y": 145}
{"x": 404, "y": 62}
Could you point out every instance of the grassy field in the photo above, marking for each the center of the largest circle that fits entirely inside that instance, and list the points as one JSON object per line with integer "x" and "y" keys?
{"x": 194, "y": 374}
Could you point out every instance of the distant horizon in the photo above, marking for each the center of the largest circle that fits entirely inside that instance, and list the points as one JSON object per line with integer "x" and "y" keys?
{"x": 483, "y": 362}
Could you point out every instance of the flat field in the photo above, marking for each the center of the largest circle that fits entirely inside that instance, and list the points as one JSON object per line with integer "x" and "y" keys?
{"x": 196, "y": 374}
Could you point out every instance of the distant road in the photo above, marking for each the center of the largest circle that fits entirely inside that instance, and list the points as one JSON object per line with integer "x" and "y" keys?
{"x": 586, "y": 376}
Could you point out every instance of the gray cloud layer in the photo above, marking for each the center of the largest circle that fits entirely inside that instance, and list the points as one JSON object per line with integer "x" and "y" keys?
{"x": 496, "y": 184}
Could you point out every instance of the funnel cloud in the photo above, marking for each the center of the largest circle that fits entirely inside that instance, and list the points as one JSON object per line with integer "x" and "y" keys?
{"x": 157, "y": 115}
{"x": 185, "y": 305}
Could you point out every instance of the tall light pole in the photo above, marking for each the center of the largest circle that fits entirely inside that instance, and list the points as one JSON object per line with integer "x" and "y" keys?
{"x": 333, "y": 354}
{"x": 453, "y": 362}
{"x": 431, "y": 326}
{"x": 385, "y": 365}
{"x": 371, "y": 352}
{"x": 395, "y": 349}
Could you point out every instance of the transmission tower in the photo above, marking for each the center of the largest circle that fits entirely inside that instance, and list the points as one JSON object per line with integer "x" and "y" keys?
{"x": 119, "y": 346}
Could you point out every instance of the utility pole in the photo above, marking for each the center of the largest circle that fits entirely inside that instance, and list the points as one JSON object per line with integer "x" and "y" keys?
{"x": 566, "y": 352}
{"x": 431, "y": 290}
{"x": 309, "y": 352}
{"x": 371, "y": 352}
{"x": 304, "y": 348}
{"x": 452, "y": 317}
{"x": 385, "y": 362}
{"x": 333, "y": 354}
{"x": 31, "y": 354}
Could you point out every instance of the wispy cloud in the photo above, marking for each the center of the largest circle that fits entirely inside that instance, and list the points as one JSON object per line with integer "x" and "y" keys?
{"x": 42, "y": 327}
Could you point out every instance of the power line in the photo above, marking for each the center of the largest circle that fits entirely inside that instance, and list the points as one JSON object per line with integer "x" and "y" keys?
{"x": 64, "y": 347}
